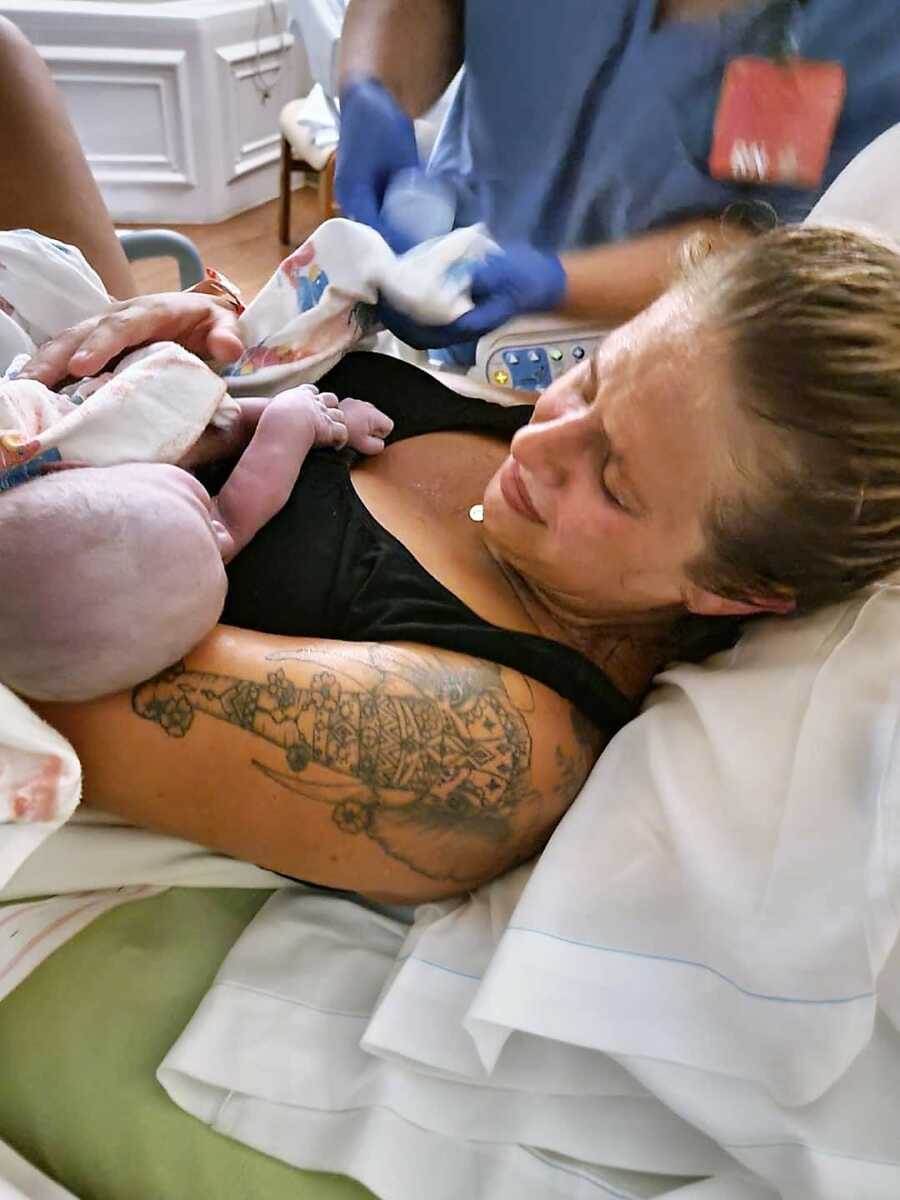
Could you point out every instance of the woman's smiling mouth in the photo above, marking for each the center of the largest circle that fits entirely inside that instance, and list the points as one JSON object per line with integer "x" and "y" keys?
{"x": 514, "y": 492}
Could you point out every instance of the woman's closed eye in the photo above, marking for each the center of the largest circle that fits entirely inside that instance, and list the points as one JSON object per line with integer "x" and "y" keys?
{"x": 616, "y": 486}
{"x": 612, "y": 490}
{"x": 611, "y": 494}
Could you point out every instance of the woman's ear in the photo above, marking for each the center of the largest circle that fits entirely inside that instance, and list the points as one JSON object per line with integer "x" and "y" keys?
{"x": 709, "y": 604}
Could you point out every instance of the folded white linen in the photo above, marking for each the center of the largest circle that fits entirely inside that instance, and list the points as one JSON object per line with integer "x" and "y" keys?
{"x": 752, "y": 862}
{"x": 40, "y": 782}
{"x": 318, "y": 24}
{"x": 274, "y": 1059}
{"x": 96, "y": 850}
{"x": 19, "y": 1180}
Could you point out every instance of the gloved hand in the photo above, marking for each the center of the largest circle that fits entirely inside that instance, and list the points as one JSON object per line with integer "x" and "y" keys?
{"x": 518, "y": 279}
{"x": 377, "y": 139}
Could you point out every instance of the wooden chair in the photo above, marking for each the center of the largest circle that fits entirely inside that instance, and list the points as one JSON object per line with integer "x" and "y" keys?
{"x": 300, "y": 153}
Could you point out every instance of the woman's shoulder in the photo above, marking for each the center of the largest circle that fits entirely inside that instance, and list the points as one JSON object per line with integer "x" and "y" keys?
{"x": 509, "y": 755}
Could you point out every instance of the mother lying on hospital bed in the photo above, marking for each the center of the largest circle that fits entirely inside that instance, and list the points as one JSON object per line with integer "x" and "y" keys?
{"x": 424, "y": 653}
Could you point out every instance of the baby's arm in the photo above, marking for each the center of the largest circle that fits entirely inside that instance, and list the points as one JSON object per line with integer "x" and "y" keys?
{"x": 285, "y": 429}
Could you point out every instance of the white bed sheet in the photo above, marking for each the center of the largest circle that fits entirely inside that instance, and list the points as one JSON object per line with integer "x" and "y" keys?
{"x": 19, "y": 1180}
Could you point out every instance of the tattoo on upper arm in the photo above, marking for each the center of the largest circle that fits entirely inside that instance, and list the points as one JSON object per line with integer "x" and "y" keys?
{"x": 588, "y": 737}
{"x": 574, "y": 765}
{"x": 431, "y": 761}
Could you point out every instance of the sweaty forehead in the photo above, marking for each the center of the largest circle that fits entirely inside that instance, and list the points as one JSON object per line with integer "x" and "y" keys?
{"x": 666, "y": 334}
{"x": 669, "y": 408}
{"x": 663, "y": 365}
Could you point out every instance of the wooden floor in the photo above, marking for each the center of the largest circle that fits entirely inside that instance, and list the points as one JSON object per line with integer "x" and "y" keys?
{"x": 245, "y": 248}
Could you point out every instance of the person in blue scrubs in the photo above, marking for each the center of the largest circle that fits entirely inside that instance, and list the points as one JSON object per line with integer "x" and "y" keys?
{"x": 581, "y": 131}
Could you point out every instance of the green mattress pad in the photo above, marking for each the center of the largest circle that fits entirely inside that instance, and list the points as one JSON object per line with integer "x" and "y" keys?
{"x": 80, "y": 1041}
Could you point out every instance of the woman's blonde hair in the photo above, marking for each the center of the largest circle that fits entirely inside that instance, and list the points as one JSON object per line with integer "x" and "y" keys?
{"x": 810, "y": 318}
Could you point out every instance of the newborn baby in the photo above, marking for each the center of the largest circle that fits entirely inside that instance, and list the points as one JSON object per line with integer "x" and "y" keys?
{"x": 112, "y": 573}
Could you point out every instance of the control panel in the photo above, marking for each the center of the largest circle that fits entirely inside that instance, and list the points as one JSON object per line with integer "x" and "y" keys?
{"x": 533, "y": 367}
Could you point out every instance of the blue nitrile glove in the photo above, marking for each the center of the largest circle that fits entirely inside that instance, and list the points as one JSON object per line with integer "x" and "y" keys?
{"x": 377, "y": 139}
{"x": 518, "y": 279}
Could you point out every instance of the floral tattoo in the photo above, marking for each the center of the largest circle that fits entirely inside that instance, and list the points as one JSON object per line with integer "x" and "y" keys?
{"x": 432, "y": 763}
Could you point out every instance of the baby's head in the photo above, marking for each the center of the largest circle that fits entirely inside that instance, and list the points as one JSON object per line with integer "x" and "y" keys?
{"x": 110, "y": 575}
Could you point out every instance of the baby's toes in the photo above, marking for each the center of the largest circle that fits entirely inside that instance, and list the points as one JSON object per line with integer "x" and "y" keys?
{"x": 329, "y": 399}
{"x": 368, "y": 426}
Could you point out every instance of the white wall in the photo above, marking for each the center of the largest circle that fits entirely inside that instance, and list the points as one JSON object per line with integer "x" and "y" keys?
{"x": 163, "y": 98}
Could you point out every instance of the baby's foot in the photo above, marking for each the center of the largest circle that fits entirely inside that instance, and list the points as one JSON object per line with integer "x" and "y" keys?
{"x": 367, "y": 426}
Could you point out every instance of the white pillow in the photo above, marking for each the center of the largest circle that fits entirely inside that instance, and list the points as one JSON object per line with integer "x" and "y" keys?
{"x": 865, "y": 192}
{"x": 720, "y": 908}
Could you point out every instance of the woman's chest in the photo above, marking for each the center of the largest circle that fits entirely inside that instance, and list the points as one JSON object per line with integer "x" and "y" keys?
{"x": 422, "y": 492}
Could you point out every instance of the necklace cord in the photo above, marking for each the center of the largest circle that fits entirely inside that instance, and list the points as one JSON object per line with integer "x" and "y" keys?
{"x": 262, "y": 83}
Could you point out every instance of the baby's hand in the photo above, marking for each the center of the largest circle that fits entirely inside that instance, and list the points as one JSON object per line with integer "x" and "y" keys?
{"x": 367, "y": 426}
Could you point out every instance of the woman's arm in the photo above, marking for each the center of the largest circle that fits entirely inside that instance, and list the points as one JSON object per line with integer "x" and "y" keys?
{"x": 47, "y": 184}
{"x": 401, "y": 772}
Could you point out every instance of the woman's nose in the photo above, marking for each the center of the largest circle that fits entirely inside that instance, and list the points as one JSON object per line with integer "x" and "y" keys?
{"x": 549, "y": 450}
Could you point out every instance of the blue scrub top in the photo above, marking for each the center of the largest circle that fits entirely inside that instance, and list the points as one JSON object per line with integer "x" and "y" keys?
{"x": 578, "y": 122}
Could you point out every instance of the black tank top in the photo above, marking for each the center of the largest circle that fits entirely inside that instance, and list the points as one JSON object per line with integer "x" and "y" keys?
{"x": 324, "y": 567}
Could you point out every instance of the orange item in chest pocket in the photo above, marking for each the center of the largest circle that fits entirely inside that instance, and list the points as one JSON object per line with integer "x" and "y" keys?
{"x": 776, "y": 120}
